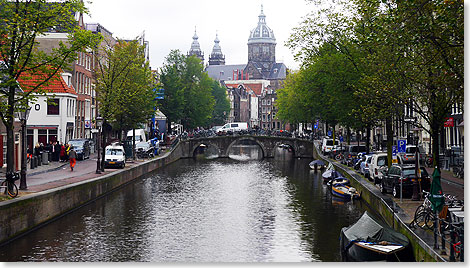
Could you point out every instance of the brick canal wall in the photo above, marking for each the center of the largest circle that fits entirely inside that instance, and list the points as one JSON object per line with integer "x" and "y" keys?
{"x": 391, "y": 213}
{"x": 23, "y": 214}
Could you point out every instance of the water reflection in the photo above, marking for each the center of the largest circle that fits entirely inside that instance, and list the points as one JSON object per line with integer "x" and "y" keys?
{"x": 221, "y": 210}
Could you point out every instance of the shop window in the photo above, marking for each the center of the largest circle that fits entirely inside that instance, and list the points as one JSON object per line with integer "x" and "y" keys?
{"x": 53, "y": 107}
{"x": 42, "y": 136}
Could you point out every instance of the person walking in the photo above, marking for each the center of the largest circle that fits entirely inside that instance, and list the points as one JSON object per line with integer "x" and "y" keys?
{"x": 62, "y": 153}
{"x": 72, "y": 158}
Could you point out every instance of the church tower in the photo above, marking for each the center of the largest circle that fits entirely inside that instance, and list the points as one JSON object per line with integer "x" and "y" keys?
{"x": 216, "y": 57}
{"x": 196, "y": 48}
{"x": 262, "y": 46}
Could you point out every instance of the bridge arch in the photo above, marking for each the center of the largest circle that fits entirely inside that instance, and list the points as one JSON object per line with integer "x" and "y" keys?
{"x": 289, "y": 143}
{"x": 208, "y": 144}
{"x": 241, "y": 138}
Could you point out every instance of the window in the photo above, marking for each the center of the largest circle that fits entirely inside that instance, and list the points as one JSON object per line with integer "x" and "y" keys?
{"x": 53, "y": 107}
{"x": 268, "y": 102}
{"x": 264, "y": 102}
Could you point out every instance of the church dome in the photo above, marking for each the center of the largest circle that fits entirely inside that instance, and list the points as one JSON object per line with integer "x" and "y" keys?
{"x": 262, "y": 33}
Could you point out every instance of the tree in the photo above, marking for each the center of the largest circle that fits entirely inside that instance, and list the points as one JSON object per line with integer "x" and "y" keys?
{"x": 124, "y": 86}
{"x": 188, "y": 91}
{"x": 222, "y": 104}
{"x": 21, "y": 23}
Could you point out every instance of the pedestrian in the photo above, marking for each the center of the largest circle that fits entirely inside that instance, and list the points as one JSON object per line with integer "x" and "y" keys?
{"x": 62, "y": 153}
{"x": 72, "y": 158}
{"x": 67, "y": 150}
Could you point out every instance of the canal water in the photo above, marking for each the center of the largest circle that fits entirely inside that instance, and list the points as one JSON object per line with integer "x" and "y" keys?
{"x": 241, "y": 209}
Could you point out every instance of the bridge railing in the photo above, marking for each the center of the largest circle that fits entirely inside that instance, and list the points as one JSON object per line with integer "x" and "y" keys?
{"x": 258, "y": 132}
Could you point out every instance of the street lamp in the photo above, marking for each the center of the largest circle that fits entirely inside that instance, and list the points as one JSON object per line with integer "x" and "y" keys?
{"x": 23, "y": 116}
{"x": 99, "y": 124}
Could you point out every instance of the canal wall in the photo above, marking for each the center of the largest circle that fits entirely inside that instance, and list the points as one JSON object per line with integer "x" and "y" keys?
{"x": 390, "y": 211}
{"x": 20, "y": 215}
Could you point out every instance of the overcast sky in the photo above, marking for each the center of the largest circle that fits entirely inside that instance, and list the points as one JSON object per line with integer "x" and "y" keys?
{"x": 170, "y": 24}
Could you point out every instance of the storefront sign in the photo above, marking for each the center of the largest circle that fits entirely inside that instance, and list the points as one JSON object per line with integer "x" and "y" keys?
{"x": 449, "y": 122}
{"x": 87, "y": 123}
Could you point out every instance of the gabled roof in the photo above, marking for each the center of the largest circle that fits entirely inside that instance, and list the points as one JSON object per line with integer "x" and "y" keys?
{"x": 255, "y": 87}
{"x": 55, "y": 85}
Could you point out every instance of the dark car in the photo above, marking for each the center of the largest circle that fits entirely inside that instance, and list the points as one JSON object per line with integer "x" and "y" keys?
{"x": 351, "y": 153}
{"x": 81, "y": 147}
{"x": 405, "y": 174}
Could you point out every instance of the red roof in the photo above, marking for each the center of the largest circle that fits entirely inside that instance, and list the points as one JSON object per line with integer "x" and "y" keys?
{"x": 55, "y": 85}
{"x": 256, "y": 87}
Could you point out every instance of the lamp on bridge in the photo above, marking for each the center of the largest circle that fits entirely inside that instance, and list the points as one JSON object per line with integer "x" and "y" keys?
{"x": 23, "y": 116}
{"x": 99, "y": 124}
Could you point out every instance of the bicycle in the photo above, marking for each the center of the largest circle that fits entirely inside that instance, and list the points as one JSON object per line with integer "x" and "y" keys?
{"x": 458, "y": 171}
{"x": 9, "y": 184}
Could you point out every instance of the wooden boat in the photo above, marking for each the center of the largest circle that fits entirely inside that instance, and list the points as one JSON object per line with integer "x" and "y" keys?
{"x": 345, "y": 191}
{"x": 370, "y": 240}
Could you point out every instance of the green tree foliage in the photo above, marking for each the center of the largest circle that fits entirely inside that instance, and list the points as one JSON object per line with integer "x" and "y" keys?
{"x": 135, "y": 100}
{"x": 405, "y": 53}
{"x": 188, "y": 91}
{"x": 222, "y": 104}
{"x": 21, "y": 23}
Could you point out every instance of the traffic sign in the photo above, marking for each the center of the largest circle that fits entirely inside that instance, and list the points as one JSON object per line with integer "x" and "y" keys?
{"x": 401, "y": 146}
{"x": 315, "y": 126}
{"x": 394, "y": 150}
{"x": 329, "y": 133}
{"x": 341, "y": 138}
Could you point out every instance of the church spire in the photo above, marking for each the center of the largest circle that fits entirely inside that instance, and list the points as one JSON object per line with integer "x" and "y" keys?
{"x": 216, "y": 57}
{"x": 196, "y": 47}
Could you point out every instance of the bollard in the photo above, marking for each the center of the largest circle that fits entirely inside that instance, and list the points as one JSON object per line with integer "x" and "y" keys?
{"x": 39, "y": 160}
{"x": 35, "y": 160}
{"x": 45, "y": 158}
{"x": 31, "y": 163}
{"x": 461, "y": 230}
{"x": 452, "y": 242}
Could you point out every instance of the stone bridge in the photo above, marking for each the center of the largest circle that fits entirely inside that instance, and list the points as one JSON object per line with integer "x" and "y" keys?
{"x": 223, "y": 144}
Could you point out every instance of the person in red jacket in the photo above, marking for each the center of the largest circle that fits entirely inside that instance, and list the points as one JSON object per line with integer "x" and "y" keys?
{"x": 72, "y": 157}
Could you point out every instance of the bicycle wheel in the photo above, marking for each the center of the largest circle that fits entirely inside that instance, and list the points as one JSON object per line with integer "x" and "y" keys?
{"x": 420, "y": 217}
{"x": 429, "y": 220}
{"x": 12, "y": 189}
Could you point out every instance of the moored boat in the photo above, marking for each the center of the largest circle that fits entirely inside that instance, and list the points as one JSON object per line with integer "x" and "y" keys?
{"x": 338, "y": 181}
{"x": 345, "y": 191}
{"x": 369, "y": 240}
{"x": 317, "y": 164}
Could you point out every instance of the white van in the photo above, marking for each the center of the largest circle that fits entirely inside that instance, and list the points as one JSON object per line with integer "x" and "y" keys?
{"x": 114, "y": 156}
{"x": 378, "y": 162}
{"x": 233, "y": 127}
{"x": 328, "y": 146}
{"x": 139, "y": 135}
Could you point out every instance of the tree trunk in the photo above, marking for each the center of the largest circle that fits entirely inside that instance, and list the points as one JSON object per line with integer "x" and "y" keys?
{"x": 10, "y": 147}
{"x": 389, "y": 130}
{"x": 368, "y": 139}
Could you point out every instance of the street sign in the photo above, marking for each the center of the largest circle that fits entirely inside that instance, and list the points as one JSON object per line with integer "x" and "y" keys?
{"x": 401, "y": 146}
{"x": 394, "y": 150}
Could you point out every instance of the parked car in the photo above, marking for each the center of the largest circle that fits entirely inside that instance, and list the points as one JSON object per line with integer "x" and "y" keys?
{"x": 81, "y": 147}
{"x": 114, "y": 156}
{"x": 328, "y": 145}
{"x": 351, "y": 153}
{"x": 410, "y": 154}
{"x": 404, "y": 174}
{"x": 378, "y": 162}
{"x": 364, "y": 169}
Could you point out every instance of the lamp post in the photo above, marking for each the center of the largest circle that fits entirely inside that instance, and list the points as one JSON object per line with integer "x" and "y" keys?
{"x": 23, "y": 116}
{"x": 99, "y": 124}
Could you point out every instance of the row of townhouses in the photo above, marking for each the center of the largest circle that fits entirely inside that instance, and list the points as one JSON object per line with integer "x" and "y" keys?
{"x": 69, "y": 110}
